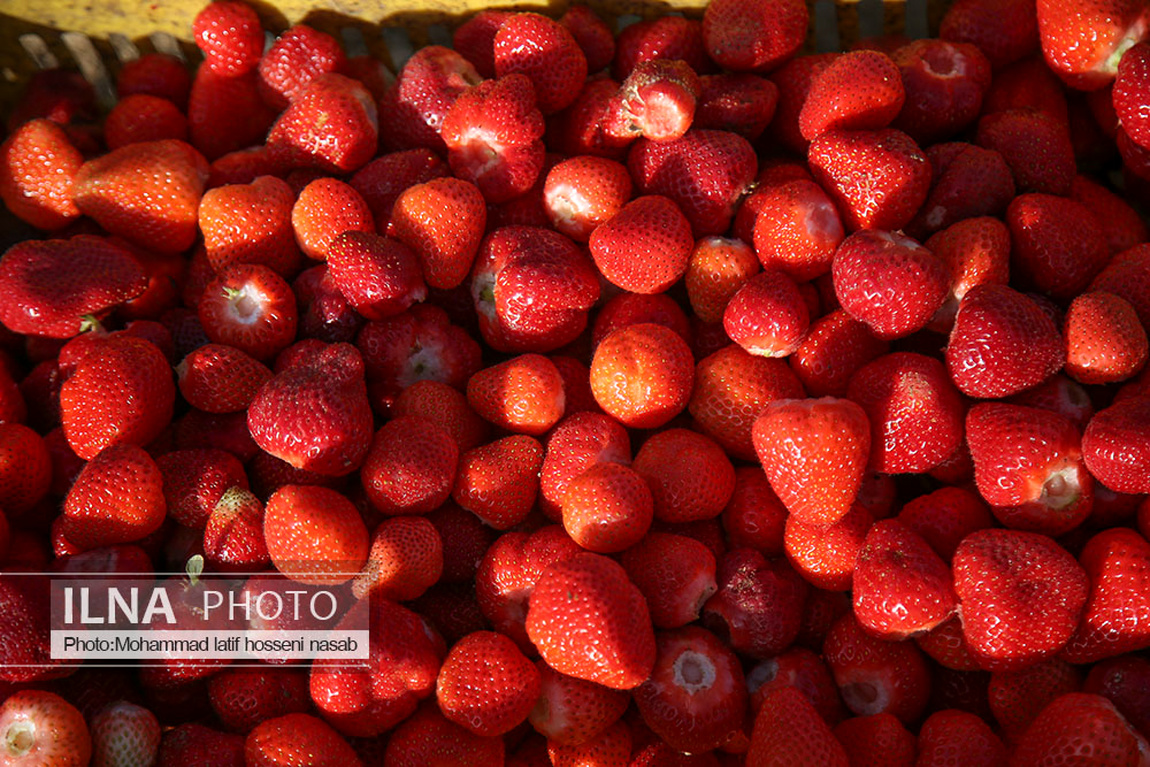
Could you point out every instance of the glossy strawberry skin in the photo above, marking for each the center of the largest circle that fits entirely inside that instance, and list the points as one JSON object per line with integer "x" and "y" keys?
{"x": 758, "y": 605}
{"x": 342, "y": 141}
{"x": 37, "y": 164}
{"x": 1116, "y": 445}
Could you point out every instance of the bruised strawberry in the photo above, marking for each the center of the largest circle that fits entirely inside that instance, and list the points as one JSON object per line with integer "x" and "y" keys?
{"x": 147, "y": 193}
{"x": 315, "y": 414}
{"x": 37, "y": 165}
{"x": 657, "y": 102}
{"x": 49, "y": 286}
{"x": 758, "y": 606}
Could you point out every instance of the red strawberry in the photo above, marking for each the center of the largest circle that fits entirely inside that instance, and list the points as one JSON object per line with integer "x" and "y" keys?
{"x": 1057, "y": 243}
{"x": 1028, "y": 84}
{"x": 40, "y": 727}
{"x": 299, "y": 56}
{"x": 147, "y": 193}
{"x": 244, "y": 697}
{"x": 815, "y": 453}
{"x": 544, "y": 50}
{"x": 486, "y": 684}
{"x": 755, "y": 517}
{"x": 428, "y": 736}
{"x": 379, "y": 276}
{"x": 669, "y": 38}
{"x": 48, "y": 286}
{"x": 607, "y": 508}
{"x": 754, "y": 35}
{"x": 443, "y": 221}
{"x": 974, "y": 251}
{"x": 718, "y": 267}
{"x": 696, "y": 698}
{"x": 25, "y": 469}
{"x": 788, "y": 730}
{"x": 475, "y": 39}
{"x": 323, "y": 210}
{"x": 124, "y": 733}
{"x": 571, "y": 711}
{"x": 1127, "y": 276}
{"x": 250, "y": 307}
{"x": 498, "y": 481}
{"x": 645, "y": 247}
{"x": 878, "y": 739}
{"x": 944, "y": 84}
{"x": 37, "y": 165}
{"x": 226, "y": 114}
{"x": 250, "y": 224}
{"x": 120, "y": 393}
{"x": 1017, "y": 697}
{"x": 315, "y": 414}
{"x": 594, "y": 37}
{"x": 901, "y": 587}
{"x": 297, "y": 739}
{"x": 157, "y": 74}
{"x": 1104, "y": 339}
{"x": 195, "y": 480}
{"x": 861, "y": 90}
{"x": 582, "y": 192}
{"x": 383, "y": 179}
{"x": 1029, "y": 468}
{"x": 1117, "y": 561}
{"x": 966, "y": 181}
{"x": 589, "y": 621}
{"x": 636, "y": 308}
{"x": 190, "y": 744}
{"x": 1020, "y": 595}
{"x": 494, "y": 137}
{"x": 523, "y": 395}
{"x": 657, "y": 101}
{"x": 759, "y": 603}
{"x": 1079, "y": 723}
{"x": 879, "y": 179}
{"x": 705, "y": 172}
{"x": 611, "y": 746}
{"x": 117, "y": 498}
{"x": 1123, "y": 681}
{"x": 1083, "y": 43}
{"x": 331, "y": 125}
{"x": 874, "y": 675}
{"x": 690, "y": 476}
{"x": 1116, "y": 445}
{"x": 794, "y": 227}
{"x": 445, "y": 407}
{"x": 588, "y": 125}
{"x": 577, "y": 443}
{"x": 834, "y": 348}
{"x": 642, "y": 375}
{"x": 532, "y": 289}
{"x": 1002, "y": 343}
{"x": 676, "y": 574}
{"x": 234, "y": 534}
{"x": 412, "y": 110}
{"x": 410, "y": 467}
{"x": 1124, "y": 227}
{"x": 314, "y": 535}
{"x": 739, "y": 103}
{"x": 1035, "y": 146}
{"x": 1003, "y": 31}
{"x": 217, "y": 378}
{"x": 946, "y": 516}
{"x": 230, "y": 35}
{"x": 140, "y": 117}
{"x": 405, "y": 560}
{"x": 952, "y": 736}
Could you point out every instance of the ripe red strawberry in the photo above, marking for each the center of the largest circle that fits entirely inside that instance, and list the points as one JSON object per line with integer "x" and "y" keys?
{"x": 789, "y": 730}
{"x": 1125, "y": 228}
{"x": 498, "y": 481}
{"x": 234, "y": 533}
{"x": 607, "y": 508}
{"x": 323, "y": 210}
{"x": 230, "y": 36}
{"x": 522, "y": 395}
{"x": 577, "y": 443}
{"x": 213, "y": 96}
{"x": 815, "y": 453}
{"x": 299, "y": 56}
{"x": 1002, "y": 343}
{"x": 1079, "y": 723}
{"x": 25, "y": 469}
{"x": 758, "y": 605}
{"x": 656, "y": 101}
{"x": 195, "y": 480}
{"x": 835, "y": 347}
{"x": 1129, "y": 89}
{"x": 494, "y": 136}
{"x": 383, "y": 179}
{"x": 157, "y": 74}
{"x": 611, "y": 746}
{"x": 331, "y": 125}
{"x": 878, "y": 739}
{"x": 589, "y": 621}
{"x": 676, "y": 575}
{"x": 40, "y": 727}
{"x": 1117, "y": 561}
{"x": 1084, "y": 43}
{"x": 405, "y": 560}
{"x": 879, "y": 179}
{"x": 642, "y": 375}
{"x": 583, "y": 127}
{"x": 191, "y": 744}
{"x": 755, "y": 517}
{"x": 795, "y": 227}
{"x": 901, "y": 587}
{"x": 952, "y": 736}
{"x": 486, "y": 684}
{"x": 242, "y": 698}
{"x": 410, "y": 467}
{"x": 49, "y": 286}
{"x": 739, "y": 103}
{"x": 1017, "y": 697}
{"x": 1035, "y": 145}
{"x": 944, "y": 84}
{"x": 668, "y": 38}
{"x": 874, "y": 675}
{"x": 861, "y": 90}
{"x": 966, "y": 181}
{"x": 690, "y": 477}
{"x": 140, "y": 117}
{"x": 315, "y": 414}
{"x": 767, "y": 316}
{"x": 379, "y": 276}
{"x": 443, "y": 221}
{"x": 428, "y": 736}
{"x": 1105, "y": 342}
{"x": 571, "y": 711}
{"x": 1116, "y": 445}
{"x": 1123, "y": 681}
{"x": 752, "y": 35}
{"x": 718, "y": 267}
{"x": 1126, "y": 277}
{"x": 705, "y": 172}
{"x": 946, "y": 516}
{"x": 1003, "y": 31}
{"x": 37, "y": 165}
{"x": 250, "y": 224}
{"x": 147, "y": 193}
{"x": 1020, "y": 596}
{"x": 218, "y": 378}
{"x": 314, "y": 535}
{"x": 582, "y": 192}
{"x": 297, "y": 739}
{"x": 696, "y": 698}
{"x": 636, "y": 308}
{"x": 475, "y": 39}
{"x": 1029, "y": 468}
{"x": 544, "y": 50}
{"x": 121, "y": 392}
{"x": 518, "y": 261}
{"x": 413, "y": 108}
{"x": 117, "y": 498}
{"x": 250, "y": 307}
{"x": 1028, "y": 84}
{"x": 124, "y": 733}
{"x": 645, "y": 247}
{"x": 974, "y": 251}
{"x": 594, "y": 37}
{"x": 445, "y": 407}
{"x": 1057, "y": 243}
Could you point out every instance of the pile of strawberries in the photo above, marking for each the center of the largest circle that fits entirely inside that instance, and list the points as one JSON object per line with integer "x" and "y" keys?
{"x": 666, "y": 398}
